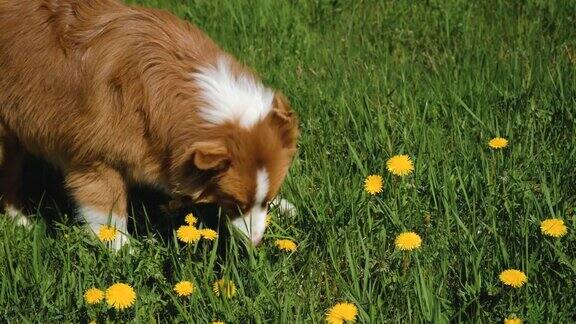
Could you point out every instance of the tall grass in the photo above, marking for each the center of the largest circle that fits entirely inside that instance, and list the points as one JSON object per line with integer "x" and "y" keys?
{"x": 369, "y": 79}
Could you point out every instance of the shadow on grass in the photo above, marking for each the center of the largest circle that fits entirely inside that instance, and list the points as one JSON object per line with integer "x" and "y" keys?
{"x": 151, "y": 210}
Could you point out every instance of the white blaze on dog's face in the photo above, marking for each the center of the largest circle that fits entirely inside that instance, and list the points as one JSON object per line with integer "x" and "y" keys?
{"x": 253, "y": 222}
{"x": 252, "y": 148}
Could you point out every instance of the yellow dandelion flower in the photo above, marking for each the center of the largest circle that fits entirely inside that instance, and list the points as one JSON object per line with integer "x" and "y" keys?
{"x": 93, "y": 296}
{"x": 513, "y": 277}
{"x": 512, "y": 320}
{"x": 107, "y": 233}
{"x": 286, "y": 245}
{"x": 120, "y": 296}
{"x": 408, "y": 241}
{"x": 188, "y": 234}
{"x": 226, "y": 287}
{"x": 218, "y": 322}
{"x": 342, "y": 312}
{"x": 400, "y": 165}
{"x": 553, "y": 227}
{"x": 190, "y": 219}
{"x": 92, "y": 322}
{"x": 209, "y": 234}
{"x": 498, "y": 143}
{"x": 373, "y": 184}
{"x": 184, "y": 288}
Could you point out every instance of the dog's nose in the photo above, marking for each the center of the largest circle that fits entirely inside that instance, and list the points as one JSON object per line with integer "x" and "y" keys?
{"x": 252, "y": 224}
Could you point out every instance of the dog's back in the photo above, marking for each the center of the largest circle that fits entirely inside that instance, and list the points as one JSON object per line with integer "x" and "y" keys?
{"x": 64, "y": 55}
{"x": 31, "y": 65}
{"x": 43, "y": 85}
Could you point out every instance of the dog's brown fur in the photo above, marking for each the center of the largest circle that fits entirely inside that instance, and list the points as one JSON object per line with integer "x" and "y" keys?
{"x": 103, "y": 91}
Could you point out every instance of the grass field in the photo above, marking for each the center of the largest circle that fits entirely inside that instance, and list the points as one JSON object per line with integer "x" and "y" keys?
{"x": 369, "y": 79}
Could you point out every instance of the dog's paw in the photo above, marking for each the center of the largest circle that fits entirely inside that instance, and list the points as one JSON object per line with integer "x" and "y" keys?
{"x": 23, "y": 221}
{"x": 19, "y": 218}
{"x": 119, "y": 242}
{"x": 284, "y": 207}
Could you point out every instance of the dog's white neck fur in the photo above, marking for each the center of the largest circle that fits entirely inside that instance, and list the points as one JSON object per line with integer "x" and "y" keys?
{"x": 229, "y": 97}
{"x": 253, "y": 223}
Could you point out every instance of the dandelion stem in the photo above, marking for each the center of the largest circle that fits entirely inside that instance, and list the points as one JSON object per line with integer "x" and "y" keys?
{"x": 405, "y": 263}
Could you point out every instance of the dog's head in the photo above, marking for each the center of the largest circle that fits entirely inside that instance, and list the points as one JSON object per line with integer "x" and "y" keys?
{"x": 246, "y": 150}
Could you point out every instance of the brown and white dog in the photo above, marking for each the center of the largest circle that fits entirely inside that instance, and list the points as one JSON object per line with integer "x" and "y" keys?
{"x": 116, "y": 95}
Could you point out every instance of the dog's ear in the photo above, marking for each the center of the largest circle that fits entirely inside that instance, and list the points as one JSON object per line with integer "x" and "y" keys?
{"x": 210, "y": 156}
{"x": 286, "y": 120}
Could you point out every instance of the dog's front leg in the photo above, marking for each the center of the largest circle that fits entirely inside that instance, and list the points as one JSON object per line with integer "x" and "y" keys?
{"x": 100, "y": 193}
{"x": 283, "y": 206}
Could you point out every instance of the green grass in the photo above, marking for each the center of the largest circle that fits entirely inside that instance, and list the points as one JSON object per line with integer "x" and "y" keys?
{"x": 369, "y": 79}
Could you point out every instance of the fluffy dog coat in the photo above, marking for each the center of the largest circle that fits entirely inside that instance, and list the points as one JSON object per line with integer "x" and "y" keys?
{"x": 115, "y": 95}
